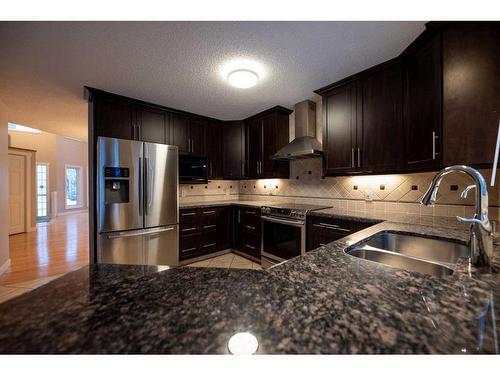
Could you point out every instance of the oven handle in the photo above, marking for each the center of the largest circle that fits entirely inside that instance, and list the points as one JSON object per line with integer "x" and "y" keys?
{"x": 282, "y": 221}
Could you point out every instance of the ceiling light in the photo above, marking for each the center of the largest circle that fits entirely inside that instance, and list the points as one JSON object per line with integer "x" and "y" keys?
{"x": 243, "y": 343}
{"x": 242, "y": 78}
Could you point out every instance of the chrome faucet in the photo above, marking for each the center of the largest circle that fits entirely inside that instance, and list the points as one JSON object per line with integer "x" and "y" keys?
{"x": 481, "y": 239}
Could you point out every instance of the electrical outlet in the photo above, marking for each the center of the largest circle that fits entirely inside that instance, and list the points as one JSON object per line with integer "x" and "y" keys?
{"x": 368, "y": 195}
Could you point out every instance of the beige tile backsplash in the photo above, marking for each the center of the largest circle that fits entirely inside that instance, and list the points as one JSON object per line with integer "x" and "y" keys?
{"x": 399, "y": 193}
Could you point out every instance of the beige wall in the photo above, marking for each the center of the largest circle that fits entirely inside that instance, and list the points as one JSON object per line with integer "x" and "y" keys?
{"x": 4, "y": 187}
{"x": 58, "y": 151}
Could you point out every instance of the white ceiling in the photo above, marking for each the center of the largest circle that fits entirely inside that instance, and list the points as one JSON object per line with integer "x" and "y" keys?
{"x": 44, "y": 65}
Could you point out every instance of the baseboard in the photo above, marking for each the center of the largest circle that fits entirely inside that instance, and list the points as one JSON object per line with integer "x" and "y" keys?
{"x": 65, "y": 213}
{"x": 4, "y": 267}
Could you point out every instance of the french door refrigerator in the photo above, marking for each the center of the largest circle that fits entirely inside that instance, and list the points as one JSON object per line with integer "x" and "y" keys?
{"x": 137, "y": 208}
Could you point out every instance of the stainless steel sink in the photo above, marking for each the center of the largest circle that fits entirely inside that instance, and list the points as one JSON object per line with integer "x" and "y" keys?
{"x": 401, "y": 261}
{"x": 413, "y": 253}
{"x": 440, "y": 251}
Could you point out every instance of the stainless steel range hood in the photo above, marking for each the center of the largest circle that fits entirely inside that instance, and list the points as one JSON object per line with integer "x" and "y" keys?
{"x": 305, "y": 145}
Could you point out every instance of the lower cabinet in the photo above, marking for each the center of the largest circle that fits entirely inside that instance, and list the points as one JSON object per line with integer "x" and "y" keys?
{"x": 203, "y": 231}
{"x": 323, "y": 230}
{"x": 246, "y": 231}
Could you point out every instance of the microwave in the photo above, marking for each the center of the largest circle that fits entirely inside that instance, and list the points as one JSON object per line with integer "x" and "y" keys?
{"x": 193, "y": 169}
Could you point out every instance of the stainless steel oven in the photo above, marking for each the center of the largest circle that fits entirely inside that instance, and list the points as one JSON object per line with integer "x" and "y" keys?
{"x": 282, "y": 239}
{"x": 284, "y": 232}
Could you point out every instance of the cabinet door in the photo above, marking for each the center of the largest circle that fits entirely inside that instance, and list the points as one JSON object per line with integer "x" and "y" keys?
{"x": 275, "y": 136}
{"x": 180, "y": 132}
{"x": 197, "y": 136}
{"x": 113, "y": 118}
{"x": 213, "y": 145}
{"x": 471, "y": 87}
{"x": 254, "y": 148}
{"x": 379, "y": 145}
{"x": 224, "y": 228}
{"x": 152, "y": 124}
{"x": 233, "y": 149}
{"x": 339, "y": 133}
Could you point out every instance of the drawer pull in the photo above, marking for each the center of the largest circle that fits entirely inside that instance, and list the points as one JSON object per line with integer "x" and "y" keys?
{"x": 249, "y": 227}
{"x": 188, "y": 229}
{"x": 250, "y": 213}
{"x": 209, "y": 245}
{"x": 322, "y": 244}
{"x": 188, "y": 250}
{"x": 209, "y": 212}
{"x": 189, "y": 214}
{"x": 331, "y": 226}
{"x": 250, "y": 246}
{"x": 209, "y": 226}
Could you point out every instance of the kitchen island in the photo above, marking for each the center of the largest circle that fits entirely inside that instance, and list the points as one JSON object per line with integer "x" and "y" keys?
{"x": 324, "y": 302}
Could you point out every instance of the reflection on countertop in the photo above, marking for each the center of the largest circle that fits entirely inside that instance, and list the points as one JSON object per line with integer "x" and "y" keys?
{"x": 324, "y": 302}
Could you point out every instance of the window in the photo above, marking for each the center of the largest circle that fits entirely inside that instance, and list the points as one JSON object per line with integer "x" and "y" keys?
{"x": 42, "y": 190}
{"x": 73, "y": 186}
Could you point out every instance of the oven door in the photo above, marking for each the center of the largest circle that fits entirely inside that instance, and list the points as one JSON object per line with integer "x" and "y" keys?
{"x": 282, "y": 239}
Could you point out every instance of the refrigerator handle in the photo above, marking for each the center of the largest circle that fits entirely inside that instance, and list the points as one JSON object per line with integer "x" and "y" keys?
{"x": 146, "y": 195}
{"x": 140, "y": 187}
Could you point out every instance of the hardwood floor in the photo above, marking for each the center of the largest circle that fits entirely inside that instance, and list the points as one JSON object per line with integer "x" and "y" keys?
{"x": 55, "y": 248}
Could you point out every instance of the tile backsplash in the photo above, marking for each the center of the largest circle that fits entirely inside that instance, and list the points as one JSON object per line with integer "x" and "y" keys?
{"x": 388, "y": 193}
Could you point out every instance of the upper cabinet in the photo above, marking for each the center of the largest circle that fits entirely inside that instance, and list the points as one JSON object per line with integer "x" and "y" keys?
{"x": 266, "y": 133}
{"x": 363, "y": 123}
{"x": 113, "y": 118}
{"x": 153, "y": 125}
{"x": 422, "y": 71}
{"x": 233, "y": 148}
{"x": 214, "y": 149}
{"x": 471, "y": 87}
{"x": 435, "y": 105}
{"x": 180, "y": 132}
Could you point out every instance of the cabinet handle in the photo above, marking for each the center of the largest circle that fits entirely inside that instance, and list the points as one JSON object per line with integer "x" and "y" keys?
{"x": 322, "y": 244}
{"x": 250, "y": 212}
{"x": 210, "y": 244}
{"x": 210, "y": 168}
{"x": 209, "y": 226}
{"x": 352, "y": 157}
{"x": 359, "y": 157}
{"x": 192, "y": 145}
{"x": 249, "y": 227}
{"x": 250, "y": 247}
{"x": 209, "y": 212}
{"x": 331, "y": 226}
{"x": 188, "y": 250}
{"x": 434, "y": 153}
{"x": 189, "y": 214}
{"x": 239, "y": 216}
{"x": 188, "y": 229}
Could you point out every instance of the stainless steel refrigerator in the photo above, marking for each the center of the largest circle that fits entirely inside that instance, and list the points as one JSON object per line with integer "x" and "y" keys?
{"x": 137, "y": 208}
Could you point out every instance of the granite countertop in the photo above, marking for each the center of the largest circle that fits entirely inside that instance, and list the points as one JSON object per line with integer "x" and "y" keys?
{"x": 232, "y": 202}
{"x": 324, "y": 302}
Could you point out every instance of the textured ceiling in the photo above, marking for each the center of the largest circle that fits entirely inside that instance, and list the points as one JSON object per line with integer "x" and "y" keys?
{"x": 44, "y": 65}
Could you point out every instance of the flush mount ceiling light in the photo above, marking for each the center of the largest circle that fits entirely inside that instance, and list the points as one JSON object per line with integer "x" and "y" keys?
{"x": 242, "y": 78}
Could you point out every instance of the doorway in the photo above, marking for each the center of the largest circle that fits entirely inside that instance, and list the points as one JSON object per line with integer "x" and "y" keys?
{"x": 17, "y": 194}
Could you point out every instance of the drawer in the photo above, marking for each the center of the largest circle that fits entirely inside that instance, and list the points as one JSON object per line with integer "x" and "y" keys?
{"x": 251, "y": 244}
{"x": 250, "y": 217}
{"x": 209, "y": 216}
{"x": 339, "y": 226}
{"x": 189, "y": 246}
{"x": 189, "y": 221}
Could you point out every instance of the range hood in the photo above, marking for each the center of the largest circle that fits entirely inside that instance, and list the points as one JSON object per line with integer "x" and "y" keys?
{"x": 305, "y": 145}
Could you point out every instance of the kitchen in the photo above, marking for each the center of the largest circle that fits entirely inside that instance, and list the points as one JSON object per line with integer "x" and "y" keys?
{"x": 362, "y": 217}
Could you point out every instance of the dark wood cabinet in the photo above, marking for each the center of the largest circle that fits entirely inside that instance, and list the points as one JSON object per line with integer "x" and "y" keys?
{"x": 471, "y": 86}
{"x": 203, "y": 231}
{"x": 214, "y": 150}
{"x": 197, "y": 136}
{"x": 233, "y": 149}
{"x": 113, "y": 118}
{"x": 422, "y": 97}
{"x": 153, "y": 125}
{"x": 180, "y": 132}
{"x": 247, "y": 231}
{"x": 339, "y": 133}
{"x": 323, "y": 230}
{"x": 266, "y": 133}
{"x": 379, "y": 125}
{"x": 363, "y": 128}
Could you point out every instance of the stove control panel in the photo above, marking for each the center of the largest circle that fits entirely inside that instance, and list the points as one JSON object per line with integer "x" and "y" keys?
{"x": 284, "y": 212}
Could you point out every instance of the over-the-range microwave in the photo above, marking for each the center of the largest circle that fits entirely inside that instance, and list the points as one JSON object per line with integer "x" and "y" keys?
{"x": 193, "y": 169}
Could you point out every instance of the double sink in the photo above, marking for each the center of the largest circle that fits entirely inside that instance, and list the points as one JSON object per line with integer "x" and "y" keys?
{"x": 430, "y": 256}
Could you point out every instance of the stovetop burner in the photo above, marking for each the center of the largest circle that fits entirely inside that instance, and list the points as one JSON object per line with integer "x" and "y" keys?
{"x": 291, "y": 210}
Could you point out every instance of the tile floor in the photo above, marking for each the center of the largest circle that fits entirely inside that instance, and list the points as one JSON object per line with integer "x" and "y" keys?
{"x": 229, "y": 260}
{"x": 8, "y": 291}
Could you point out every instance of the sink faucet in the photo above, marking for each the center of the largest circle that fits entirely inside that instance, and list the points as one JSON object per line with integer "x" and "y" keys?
{"x": 481, "y": 240}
